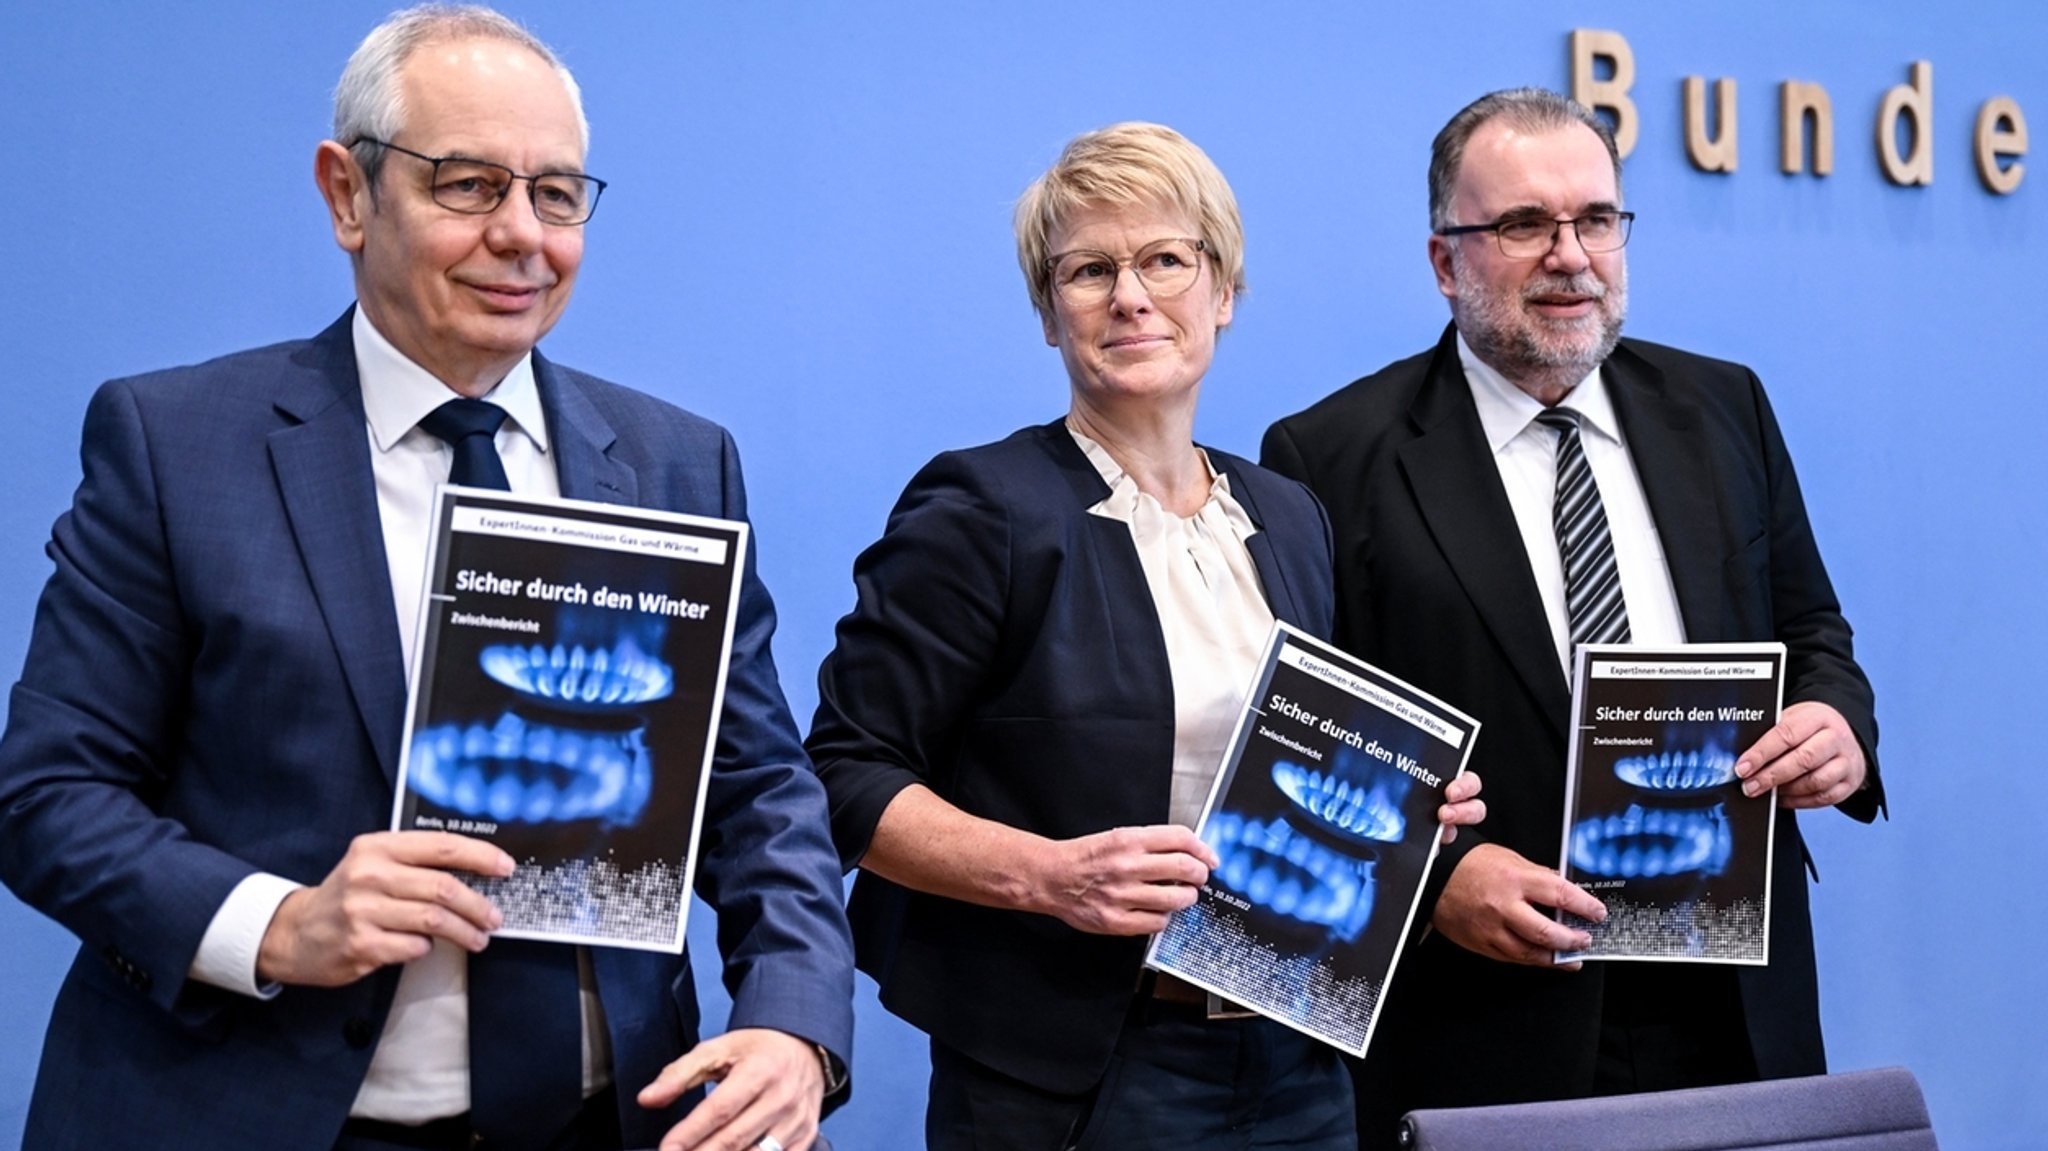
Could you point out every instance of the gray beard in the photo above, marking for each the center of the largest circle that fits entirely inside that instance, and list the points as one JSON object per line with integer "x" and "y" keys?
{"x": 1542, "y": 363}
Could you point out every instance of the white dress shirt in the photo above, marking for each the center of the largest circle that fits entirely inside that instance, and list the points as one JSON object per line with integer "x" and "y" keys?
{"x": 420, "y": 1070}
{"x": 1211, "y": 608}
{"x": 1526, "y": 454}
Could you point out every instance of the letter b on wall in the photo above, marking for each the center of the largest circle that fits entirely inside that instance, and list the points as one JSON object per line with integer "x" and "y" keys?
{"x": 1589, "y": 47}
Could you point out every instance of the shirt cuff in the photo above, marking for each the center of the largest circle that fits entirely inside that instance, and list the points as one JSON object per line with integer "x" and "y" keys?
{"x": 227, "y": 953}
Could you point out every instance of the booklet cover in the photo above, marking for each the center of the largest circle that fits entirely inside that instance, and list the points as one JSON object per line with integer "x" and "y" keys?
{"x": 1324, "y": 814}
{"x": 1656, "y": 825}
{"x": 568, "y": 675}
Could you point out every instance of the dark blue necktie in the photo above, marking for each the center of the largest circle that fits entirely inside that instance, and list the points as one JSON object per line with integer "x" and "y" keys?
{"x": 525, "y": 1043}
{"x": 469, "y": 426}
{"x": 525, "y": 1003}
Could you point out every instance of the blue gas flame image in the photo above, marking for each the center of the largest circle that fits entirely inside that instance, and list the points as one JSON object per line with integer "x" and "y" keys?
{"x": 1288, "y": 873}
{"x": 1361, "y": 809}
{"x": 1314, "y": 864}
{"x": 619, "y": 676}
{"x": 1671, "y": 829}
{"x": 521, "y": 771}
{"x": 1709, "y": 767}
{"x": 1653, "y": 843}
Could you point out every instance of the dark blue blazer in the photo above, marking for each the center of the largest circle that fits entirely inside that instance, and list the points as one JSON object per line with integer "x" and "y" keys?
{"x": 1436, "y": 589}
{"x": 215, "y": 686}
{"x": 1005, "y": 652}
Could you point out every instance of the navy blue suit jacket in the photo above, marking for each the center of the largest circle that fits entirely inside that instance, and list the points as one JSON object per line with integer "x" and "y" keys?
{"x": 1005, "y": 652}
{"x": 215, "y": 686}
{"x": 1435, "y": 587}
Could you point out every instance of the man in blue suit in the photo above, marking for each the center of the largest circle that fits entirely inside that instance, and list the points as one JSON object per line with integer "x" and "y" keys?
{"x": 203, "y": 742}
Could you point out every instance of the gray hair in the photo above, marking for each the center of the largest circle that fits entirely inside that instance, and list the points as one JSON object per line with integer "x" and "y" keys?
{"x": 368, "y": 101}
{"x": 1526, "y": 109}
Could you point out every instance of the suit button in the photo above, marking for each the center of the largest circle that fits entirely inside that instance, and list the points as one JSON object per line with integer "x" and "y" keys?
{"x": 126, "y": 968}
{"x": 358, "y": 1032}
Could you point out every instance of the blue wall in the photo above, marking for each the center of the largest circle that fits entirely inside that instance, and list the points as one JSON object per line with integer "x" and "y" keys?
{"x": 807, "y": 239}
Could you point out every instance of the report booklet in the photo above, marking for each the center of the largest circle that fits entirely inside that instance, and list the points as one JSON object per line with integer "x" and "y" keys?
{"x": 1656, "y": 825}
{"x": 1324, "y": 814}
{"x": 568, "y": 675}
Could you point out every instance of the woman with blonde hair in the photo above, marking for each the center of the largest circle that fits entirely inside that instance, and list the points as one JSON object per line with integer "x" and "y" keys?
{"x": 1024, "y": 710}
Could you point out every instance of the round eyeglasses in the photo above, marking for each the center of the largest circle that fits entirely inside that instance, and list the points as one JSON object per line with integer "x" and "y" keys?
{"x": 477, "y": 187}
{"x": 1166, "y": 268}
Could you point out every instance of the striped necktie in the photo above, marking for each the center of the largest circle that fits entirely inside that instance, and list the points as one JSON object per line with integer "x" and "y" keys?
{"x": 1592, "y": 583}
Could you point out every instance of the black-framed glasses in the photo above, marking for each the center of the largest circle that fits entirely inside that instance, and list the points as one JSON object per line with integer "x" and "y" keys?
{"x": 1167, "y": 268}
{"x": 477, "y": 187}
{"x": 1532, "y": 237}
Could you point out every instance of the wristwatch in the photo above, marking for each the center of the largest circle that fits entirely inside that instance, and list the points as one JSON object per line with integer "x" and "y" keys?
{"x": 835, "y": 1075}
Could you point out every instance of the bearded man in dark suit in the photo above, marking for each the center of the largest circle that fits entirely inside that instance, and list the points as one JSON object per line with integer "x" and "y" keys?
{"x": 1440, "y": 480}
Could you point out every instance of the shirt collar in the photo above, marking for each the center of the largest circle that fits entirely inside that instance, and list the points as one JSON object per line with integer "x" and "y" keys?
{"x": 1506, "y": 411}
{"x": 1124, "y": 494}
{"x": 398, "y": 394}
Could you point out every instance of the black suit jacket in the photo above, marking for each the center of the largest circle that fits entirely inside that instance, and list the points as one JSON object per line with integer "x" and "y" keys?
{"x": 1005, "y": 652}
{"x": 1435, "y": 586}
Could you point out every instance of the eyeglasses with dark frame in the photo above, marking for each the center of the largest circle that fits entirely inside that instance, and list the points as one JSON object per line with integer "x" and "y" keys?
{"x": 477, "y": 187}
{"x": 1532, "y": 237}
{"x": 1167, "y": 268}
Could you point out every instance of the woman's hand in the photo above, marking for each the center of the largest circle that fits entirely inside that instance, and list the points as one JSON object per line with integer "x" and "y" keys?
{"x": 1125, "y": 881}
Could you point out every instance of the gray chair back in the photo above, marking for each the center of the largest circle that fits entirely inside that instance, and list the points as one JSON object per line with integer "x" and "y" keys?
{"x": 1857, "y": 1111}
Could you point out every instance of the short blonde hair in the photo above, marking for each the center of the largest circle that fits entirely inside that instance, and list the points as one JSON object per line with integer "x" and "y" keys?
{"x": 1124, "y": 166}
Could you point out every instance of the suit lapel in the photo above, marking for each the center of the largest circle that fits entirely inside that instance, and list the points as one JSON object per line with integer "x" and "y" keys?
{"x": 581, "y": 439}
{"x": 1458, "y": 491}
{"x": 1123, "y": 597}
{"x": 1680, "y": 488}
{"x": 322, "y": 463}
{"x": 321, "y": 460}
{"x": 1120, "y": 554}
